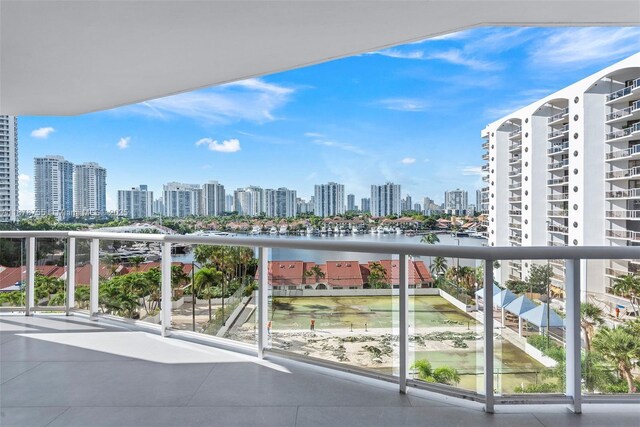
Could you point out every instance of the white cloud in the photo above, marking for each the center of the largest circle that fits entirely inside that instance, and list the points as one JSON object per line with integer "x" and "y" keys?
{"x": 408, "y": 160}
{"x": 471, "y": 170}
{"x": 123, "y": 143}
{"x": 227, "y": 146}
{"x": 582, "y": 46}
{"x": 250, "y": 100}
{"x": 404, "y": 104}
{"x": 42, "y": 133}
{"x": 313, "y": 135}
{"x": 396, "y": 53}
{"x": 459, "y": 57}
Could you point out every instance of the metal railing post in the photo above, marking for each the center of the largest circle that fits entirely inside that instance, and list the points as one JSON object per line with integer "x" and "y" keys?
{"x": 403, "y": 333}
{"x": 71, "y": 274}
{"x": 488, "y": 336}
{"x": 94, "y": 260}
{"x": 263, "y": 300}
{"x": 165, "y": 309}
{"x": 573, "y": 353}
{"x": 29, "y": 302}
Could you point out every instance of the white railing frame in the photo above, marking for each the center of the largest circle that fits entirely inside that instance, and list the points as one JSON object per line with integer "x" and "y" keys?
{"x": 573, "y": 257}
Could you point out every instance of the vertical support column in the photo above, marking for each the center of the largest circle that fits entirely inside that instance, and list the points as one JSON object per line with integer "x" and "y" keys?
{"x": 488, "y": 336}
{"x": 29, "y": 302}
{"x": 263, "y": 300}
{"x": 572, "y": 333}
{"x": 94, "y": 260}
{"x": 71, "y": 274}
{"x": 165, "y": 290}
{"x": 403, "y": 333}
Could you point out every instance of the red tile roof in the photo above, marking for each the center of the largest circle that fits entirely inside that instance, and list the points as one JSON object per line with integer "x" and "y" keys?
{"x": 343, "y": 273}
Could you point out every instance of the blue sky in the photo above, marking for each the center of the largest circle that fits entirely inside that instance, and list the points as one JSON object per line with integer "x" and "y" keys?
{"x": 411, "y": 114}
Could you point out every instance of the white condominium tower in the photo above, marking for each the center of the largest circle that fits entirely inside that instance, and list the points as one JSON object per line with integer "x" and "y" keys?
{"x": 351, "y": 202}
{"x": 329, "y": 199}
{"x": 456, "y": 201}
{"x": 135, "y": 203}
{"x": 249, "y": 201}
{"x": 181, "y": 200}
{"x": 53, "y": 186}
{"x": 281, "y": 203}
{"x": 385, "y": 199}
{"x": 213, "y": 199}
{"x": 564, "y": 171}
{"x": 89, "y": 189}
{"x": 8, "y": 168}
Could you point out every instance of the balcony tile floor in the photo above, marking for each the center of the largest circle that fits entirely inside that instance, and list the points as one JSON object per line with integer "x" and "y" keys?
{"x": 70, "y": 371}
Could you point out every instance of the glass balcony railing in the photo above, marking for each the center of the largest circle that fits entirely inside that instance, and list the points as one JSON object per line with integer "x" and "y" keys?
{"x": 560, "y": 213}
{"x": 623, "y": 132}
{"x": 563, "y": 113}
{"x": 414, "y": 315}
{"x": 623, "y": 173}
{"x": 558, "y": 197}
{"x": 623, "y": 194}
{"x": 623, "y": 214}
{"x": 559, "y": 132}
{"x": 517, "y": 131}
{"x": 558, "y": 181}
{"x": 558, "y": 229}
{"x": 557, "y": 148}
{"x": 558, "y": 165}
{"x": 620, "y": 154}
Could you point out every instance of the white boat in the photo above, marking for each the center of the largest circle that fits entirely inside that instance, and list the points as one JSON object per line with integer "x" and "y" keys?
{"x": 283, "y": 229}
{"x": 373, "y": 230}
{"x": 381, "y": 230}
{"x": 398, "y": 230}
{"x": 273, "y": 230}
{"x": 323, "y": 230}
{"x": 309, "y": 231}
{"x": 256, "y": 229}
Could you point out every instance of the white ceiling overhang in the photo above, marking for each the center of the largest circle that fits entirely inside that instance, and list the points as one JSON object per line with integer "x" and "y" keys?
{"x": 71, "y": 57}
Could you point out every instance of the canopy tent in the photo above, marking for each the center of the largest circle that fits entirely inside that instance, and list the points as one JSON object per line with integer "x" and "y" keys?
{"x": 496, "y": 290}
{"x": 519, "y": 306}
{"x": 542, "y": 317}
{"x": 503, "y": 298}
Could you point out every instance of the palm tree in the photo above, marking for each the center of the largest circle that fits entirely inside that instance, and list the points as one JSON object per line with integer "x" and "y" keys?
{"x": 430, "y": 238}
{"x": 443, "y": 375}
{"x": 207, "y": 278}
{"x": 627, "y": 286}
{"x": 136, "y": 261}
{"x": 439, "y": 266}
{"x": 178, "y": 277}
{"x": 620, "y": 348}
{"x": 316, "y": 272}
{"x": 377, "y": 275}
{"x": 590, "y": 317}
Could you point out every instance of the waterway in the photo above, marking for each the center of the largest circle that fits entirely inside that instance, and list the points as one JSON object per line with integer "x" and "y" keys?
{"x": 278, "y": 254}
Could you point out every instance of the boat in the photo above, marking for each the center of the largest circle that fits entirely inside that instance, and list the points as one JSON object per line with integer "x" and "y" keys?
{"x": 373, "y": 230}
{"x": 381, "y": 230}
{"x": 283, "y": 229}
{"x": 273, "y": 230}
{"x": 309, "y": 230}
{"x": 398, "y": 230}
{"x": 256, "y": 229}
{"x": 323, "y": 230}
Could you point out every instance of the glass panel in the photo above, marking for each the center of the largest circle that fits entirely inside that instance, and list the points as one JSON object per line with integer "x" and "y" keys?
{"x": 223, "y": 280}
{"x": 336, "y": 306}
{"x": 610, "y": 328}
{"x": 529, "y": 338}
{"x": 445, "y": 325}
{"x": 13, "y": 273}
{"x": 83, "y": 274}
{"x": 50, "y": 280}
{"x": 130, "y": 279}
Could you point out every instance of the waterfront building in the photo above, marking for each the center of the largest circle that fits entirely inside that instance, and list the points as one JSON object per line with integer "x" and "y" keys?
{"x": 250, "y": 201}
{"x": 455, "y": 201}
{"x": 53, "y": 186}
{"x": 280, "y": 203}
{"x": 406, "y": 204}
{"x": 8, "y": 168}
{"x": 135, "y": 203}
{"x": 329, "y": 199}
{"x": 385, "y": 199}
{"x": 228, "y": 203}
{"x": 351, "y": 202}
{"x": 158, "y": 206}
{"x": 213, "y": 199}
{"x": 182, "y": 200}
{"x": 563, "y": 172}
{"x": 417, "y": 207}
{"x": 89, "y": 189}
{"x": 365, "y": 204}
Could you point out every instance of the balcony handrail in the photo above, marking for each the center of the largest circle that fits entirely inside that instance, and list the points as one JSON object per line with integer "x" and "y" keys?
{"x": 619, "y": 93}
{"x": 559, "y": 115}
{"x": 418, "y": 249}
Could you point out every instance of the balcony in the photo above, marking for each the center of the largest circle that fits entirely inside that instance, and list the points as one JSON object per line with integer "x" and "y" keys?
{"x": 485, "y": 145}
{"x": 623, "y": 133}
{"x": 623, "y": 154}
{"x": 515, "y": 239}
{"x": 558, "y": 165}
{"x": 621, "y": 93}
{"x": 623, "y": 114}
{"x": 558, "y": 133}
{"x": 558, "y": 148}
{"x": 515, "y": 225}
{"x": 515, "y": 212}
{"x": 515, "y": 199}
{"x": 558, "y": 213}
{"x": 623, "y": 173}
{"x": 515, "y": 172}
{"x": 562, "y": 229}
{"x": 514, "y": 160}
{"x": 485, "y": 178}
{"x": 515, "y": 186}
{"x": 485, "y": 156}
{"x": 623, "y": 194}
{"x": 515, "y": 133}
{"x": 485, "y": 168}
{"x": 558, "y": 181}
{"x": 559, "y": 116}
{"x": 623, "y": 235}
{"x": 516, "y": 146}
{"x": 561, "y": 197}
{"x": 151, "y": 368}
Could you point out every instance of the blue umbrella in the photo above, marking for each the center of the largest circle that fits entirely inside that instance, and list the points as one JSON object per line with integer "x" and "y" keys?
{"x": 480, "y": 292}
{"x": 503, "y": 298}
{"x": 538, "y": 316}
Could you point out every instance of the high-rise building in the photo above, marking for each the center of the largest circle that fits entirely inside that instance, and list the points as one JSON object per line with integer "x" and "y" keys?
{"x": 182, "y": 200}
{"x": 406, "y": 204}
{"x": 280, "y": 203}
{"x": 563, "y": 171}
{"x": 89, "y": 189}
{"x": 365, "y": 204}
{"x": 456, "y": 201}
{"x": 8, "y": 168}
{"x": 135, "y": 203}
{"x": 385, "y": 199}
{"x": 250, "y": 201}
{"x": 430, "y": 206}
{"x": 417, "y": 207}
{"x": 351, "y": 202}
{"x": 158, "y": 206}
{"x": 213, "y": 199}
{"x": 228, "y": 203}
{"x": 53, "y": 186}
{"x": 329, "y": 199}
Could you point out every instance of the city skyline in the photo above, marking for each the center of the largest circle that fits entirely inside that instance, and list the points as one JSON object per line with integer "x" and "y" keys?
{"x": 392, "y": 115}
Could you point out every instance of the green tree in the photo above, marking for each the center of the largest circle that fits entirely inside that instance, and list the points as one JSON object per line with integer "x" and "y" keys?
{"x": 377, "y": 276}
{"x": 136, "y": 260}
{"x": 443, "y": 375}
{"x": 627, "y": 286}
{"x": 439, "y": 266}
{"x": 621, "y": 348}
{"x": 205, "y": 280}
{"x": 316, "y": 272}
{"x": 590, "y": 317}
{"x": 430, "y": 239}
{"x": 539, "y": 278}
